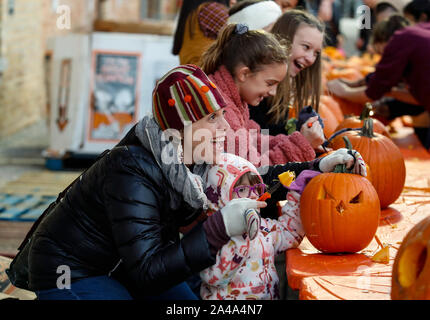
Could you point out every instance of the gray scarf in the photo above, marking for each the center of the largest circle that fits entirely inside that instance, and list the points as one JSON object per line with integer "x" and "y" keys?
{"x": 168, "y": 155}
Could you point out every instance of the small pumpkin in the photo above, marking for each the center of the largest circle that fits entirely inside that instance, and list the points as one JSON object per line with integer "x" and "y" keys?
{"x": 384, "y": 158}
{"x": 357, "y": 122}
{"x": 411, "y": 270}
{"x": 337, "y": 218}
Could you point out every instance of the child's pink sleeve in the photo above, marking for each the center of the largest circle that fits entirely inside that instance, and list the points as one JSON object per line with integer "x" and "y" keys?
{"x": 246, "y": 140}
{"x": 228, "y": 260}
{"x": 287, "y": 231}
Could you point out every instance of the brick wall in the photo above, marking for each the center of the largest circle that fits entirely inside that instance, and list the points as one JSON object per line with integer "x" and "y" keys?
{"x": 121, "y": 10}
{"x": 23, "y": 38}
{"x": 22, "y": 93}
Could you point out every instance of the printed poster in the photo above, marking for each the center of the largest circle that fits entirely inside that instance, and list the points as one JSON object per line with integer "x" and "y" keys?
{"x": 114, "y": 93}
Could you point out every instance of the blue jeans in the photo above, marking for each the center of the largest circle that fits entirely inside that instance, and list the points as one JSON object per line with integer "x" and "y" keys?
{"x": 107, "y": 288}
{"x": 93, "y": 288}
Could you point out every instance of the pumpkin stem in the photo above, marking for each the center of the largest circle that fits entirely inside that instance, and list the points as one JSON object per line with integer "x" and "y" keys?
{"x": 367, "y": 130}
{"x": 365, "y": 114}
{"x": 348, "y": 144}
{"x": 341, "y": 168}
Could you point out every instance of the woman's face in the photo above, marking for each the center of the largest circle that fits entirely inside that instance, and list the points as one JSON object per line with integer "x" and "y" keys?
{"x": 306, "y": 47}
{"x": 204, "y": 139}
{"x": 255, "y": 86}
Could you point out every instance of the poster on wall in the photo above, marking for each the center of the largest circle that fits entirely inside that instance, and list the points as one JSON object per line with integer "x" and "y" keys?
{"x": 121, "y": 78}
{"x": 114, "y": 95}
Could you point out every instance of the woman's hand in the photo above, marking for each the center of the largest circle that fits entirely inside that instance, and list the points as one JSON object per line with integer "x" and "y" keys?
{"x": 313, "y": 132}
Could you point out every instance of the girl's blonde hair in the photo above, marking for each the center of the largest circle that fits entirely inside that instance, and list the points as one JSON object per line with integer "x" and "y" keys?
{"x": 236, "y": 45}
{"x": 305, "y": 88}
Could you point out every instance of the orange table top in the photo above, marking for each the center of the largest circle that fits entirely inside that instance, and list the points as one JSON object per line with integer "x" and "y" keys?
{"x": 356, "y": 276}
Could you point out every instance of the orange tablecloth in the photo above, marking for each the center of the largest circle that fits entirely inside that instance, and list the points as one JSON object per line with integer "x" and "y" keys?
{"x": 356, "y": 276}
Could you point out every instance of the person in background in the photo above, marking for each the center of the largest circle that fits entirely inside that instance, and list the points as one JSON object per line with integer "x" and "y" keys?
{"x": 197, "y": 28}
{"x": 417, "y": 11}
{"x": 385, "y": 9}
{"x": 329, "y": 12}
{"x": 399, "y": 64}
{"x": 247, "y": 11}
{"x": 380, "y": 10}
{"x": 291, "y": 4}
{"x": 305, "y": 35}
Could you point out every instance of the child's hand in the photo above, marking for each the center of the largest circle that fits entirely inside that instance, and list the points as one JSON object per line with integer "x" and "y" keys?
{"x": 233, "y": 215}
{"x": 313, "y": 132}
{"x": 302, "y": 180}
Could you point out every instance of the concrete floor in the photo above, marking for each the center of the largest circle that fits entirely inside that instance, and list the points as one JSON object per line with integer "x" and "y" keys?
{"x": 22, "y": 151}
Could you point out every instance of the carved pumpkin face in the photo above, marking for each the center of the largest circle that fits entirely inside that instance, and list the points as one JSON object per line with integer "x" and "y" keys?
{"x": 340, "y": 212}
{"x": 411, "y": 269}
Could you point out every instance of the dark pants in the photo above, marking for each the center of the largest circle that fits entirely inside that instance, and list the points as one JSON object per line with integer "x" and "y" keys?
{"x": 107, "y": 288}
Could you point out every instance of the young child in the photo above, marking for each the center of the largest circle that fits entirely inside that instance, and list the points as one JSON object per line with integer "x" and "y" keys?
{"x": 245, "y": 268}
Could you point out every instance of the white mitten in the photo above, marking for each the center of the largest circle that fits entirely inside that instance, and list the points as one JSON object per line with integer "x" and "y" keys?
{"x": 343, "y": 156}
{"x": 236, "y": 218}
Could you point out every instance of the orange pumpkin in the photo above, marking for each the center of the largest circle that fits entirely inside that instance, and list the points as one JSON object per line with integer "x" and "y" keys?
{"x": 333, "y": 106}
{"x": 348, "y": 107}
{"x": 333, "y": 53}
{"x": 357, "y": 122}
{"x": 336, "y": 218}
{"x": 347, "y": 74}
{"x": 411, "y": 269}
{"x": 365, "y": 70}
{"x": 384, "y": 158}
{"x": 329, "y": 119}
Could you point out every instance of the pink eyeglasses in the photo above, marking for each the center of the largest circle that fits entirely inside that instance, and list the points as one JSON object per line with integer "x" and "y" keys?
{"x": 245, "y": 191}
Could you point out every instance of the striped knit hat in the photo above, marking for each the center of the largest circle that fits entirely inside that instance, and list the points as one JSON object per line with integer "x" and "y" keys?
{"x": 185, "y": 93}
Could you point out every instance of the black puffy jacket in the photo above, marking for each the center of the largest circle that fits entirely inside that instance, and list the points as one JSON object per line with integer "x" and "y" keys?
{"x": 117, "y": 211}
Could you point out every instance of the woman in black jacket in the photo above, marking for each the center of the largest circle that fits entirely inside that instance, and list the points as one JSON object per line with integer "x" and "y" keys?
{"x": 115, "y": 234}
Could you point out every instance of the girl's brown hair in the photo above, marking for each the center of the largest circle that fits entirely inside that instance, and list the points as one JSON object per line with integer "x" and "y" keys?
{"x": 305, "y": 88}
{"x": 236, "y": 45}
{"x": 252, "y": 178}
